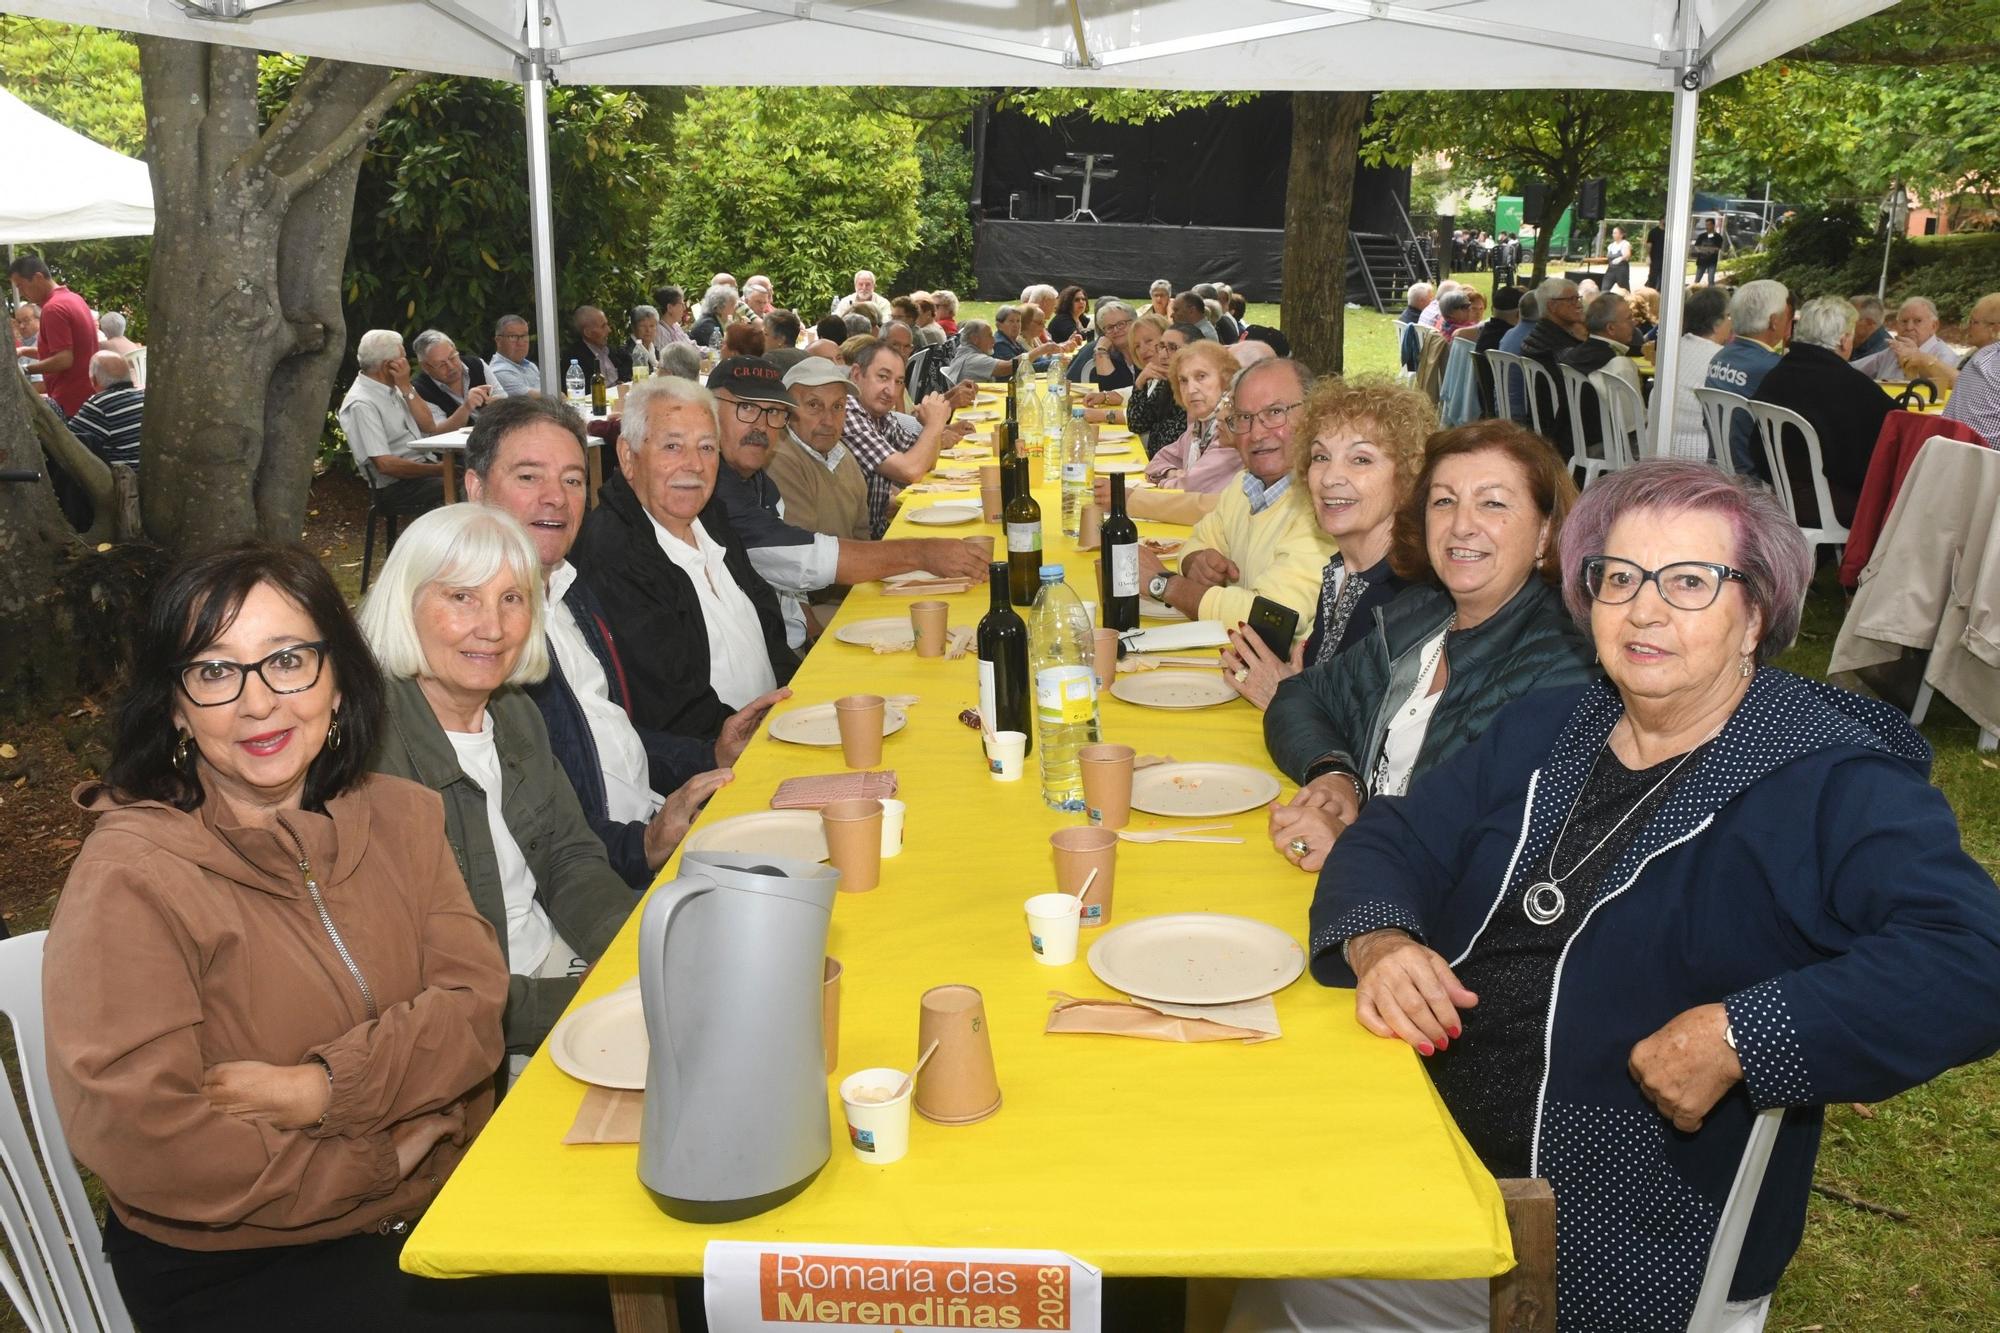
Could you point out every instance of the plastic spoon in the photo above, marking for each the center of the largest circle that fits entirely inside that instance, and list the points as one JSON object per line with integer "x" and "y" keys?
{"x": 1088, "y": 880}
{"x": 911, "y": 1077}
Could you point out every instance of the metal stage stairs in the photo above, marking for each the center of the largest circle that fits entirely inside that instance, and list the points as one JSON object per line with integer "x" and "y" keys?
{"x": 1380, "y": 269}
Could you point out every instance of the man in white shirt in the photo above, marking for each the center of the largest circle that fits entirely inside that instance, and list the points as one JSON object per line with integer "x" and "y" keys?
{"x": 526, "y": 456}
{"x": 379, "y": 418}
{"x": 510, "y": 367}
{"x": 1915, "y": 351}
{"x": 864, "y": 294}
{"x": 1705, "y": 330}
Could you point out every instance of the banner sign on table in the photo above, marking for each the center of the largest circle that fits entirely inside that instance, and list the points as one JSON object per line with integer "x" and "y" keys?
{"x": 752, "y": 1286}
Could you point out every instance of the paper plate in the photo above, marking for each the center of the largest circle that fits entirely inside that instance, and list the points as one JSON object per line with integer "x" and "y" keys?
{"x": 1125, "y": 465}
{"x": 1110, "y": 447}
{"x": 945, "y": 515}
{"x": 1152, "y": 610}
{"x": 978, "y": 414}
{"x": 820, "y": 725}
{"x": 1197, "y": 958}
{"x": 1173, "y": 689}
{"x": 795, "y": 834}
{"x": 605, "y": 1041}
{"x": 1192, "y": 791}
{"x": 882, "y": 629}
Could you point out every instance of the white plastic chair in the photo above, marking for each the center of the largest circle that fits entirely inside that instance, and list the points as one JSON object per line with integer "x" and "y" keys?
{"x": 1772, "y": 422}
{"x": 135, "y": 361}
{"x": 1580, "y": 458}
{"x": 1503, "y": 384}
{"x": 1625, "y": 423}
{"x": 1727, "y": 1247}
{"x": 57, "y": 1276}
{"x": 1718, "y": 414}
{"x": 1536, "y": 379}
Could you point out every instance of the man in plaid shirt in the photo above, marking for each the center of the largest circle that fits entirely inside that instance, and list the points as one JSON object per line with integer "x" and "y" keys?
{"x": 893, "y": 450}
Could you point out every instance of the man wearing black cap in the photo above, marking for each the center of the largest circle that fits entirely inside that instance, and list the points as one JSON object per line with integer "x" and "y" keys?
{"x": 1506, "y": 315}
{"x": 815, "y": 561}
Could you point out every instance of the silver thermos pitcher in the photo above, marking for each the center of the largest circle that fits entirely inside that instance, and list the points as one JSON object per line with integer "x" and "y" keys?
{"x": 731, "y": 958}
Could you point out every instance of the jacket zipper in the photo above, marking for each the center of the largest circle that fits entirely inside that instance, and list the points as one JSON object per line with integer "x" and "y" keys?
{"x": 1506, "y": 879}
{"x": 1555, "y": 989}
{"x": 326, "y": 921}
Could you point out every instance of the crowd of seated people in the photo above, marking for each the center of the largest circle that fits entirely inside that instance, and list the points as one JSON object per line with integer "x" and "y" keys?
{"x": 479, "y": 771}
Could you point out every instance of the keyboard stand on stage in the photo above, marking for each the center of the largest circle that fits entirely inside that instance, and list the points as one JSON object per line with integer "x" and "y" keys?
{"x": 1090, "y": 171}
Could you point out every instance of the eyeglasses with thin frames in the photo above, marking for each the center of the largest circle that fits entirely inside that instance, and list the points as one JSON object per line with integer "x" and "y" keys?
{"x": 1273, "y": 415}
{"x": 1686, "y": 585}
{"x": 292, "y": 669}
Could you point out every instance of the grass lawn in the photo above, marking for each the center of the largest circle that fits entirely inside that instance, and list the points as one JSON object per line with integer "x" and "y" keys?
{"x": 1933, "y": 1153}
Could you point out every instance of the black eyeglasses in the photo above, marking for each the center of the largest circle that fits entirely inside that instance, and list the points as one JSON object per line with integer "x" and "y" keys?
{"x": 291, "y": 670}
{"x": 1688, "y": 585}
{"x": 749, "y": 411}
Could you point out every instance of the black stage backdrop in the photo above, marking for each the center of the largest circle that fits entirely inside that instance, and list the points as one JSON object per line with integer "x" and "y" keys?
{"x": 1199, "y": 197}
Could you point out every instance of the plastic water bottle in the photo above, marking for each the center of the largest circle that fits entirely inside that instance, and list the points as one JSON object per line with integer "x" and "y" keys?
{"x": 1059, "y": 656}
{"x": 1079, "y": 454}
{"x": 1055, "y": 416}
{"x": 573, "y": 382}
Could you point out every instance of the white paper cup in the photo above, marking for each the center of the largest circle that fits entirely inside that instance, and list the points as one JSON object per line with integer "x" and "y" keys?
{"x": 1005, "y": 753}
{"x": 878, "y": 1131}
{"x": 1053, "y": 920}
{"x": 893, "y": 813}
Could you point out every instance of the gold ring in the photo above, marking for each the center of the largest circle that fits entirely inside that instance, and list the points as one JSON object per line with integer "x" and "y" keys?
{"x": 1241, "y": 674}
{"x": 1299, "y": 847}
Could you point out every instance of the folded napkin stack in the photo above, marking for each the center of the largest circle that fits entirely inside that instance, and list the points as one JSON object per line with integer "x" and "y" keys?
{"x": 812, "y": 793}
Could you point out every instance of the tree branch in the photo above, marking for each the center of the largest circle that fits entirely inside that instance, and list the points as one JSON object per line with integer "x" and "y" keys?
{"x": 350, "y": 140}
{"x": 295, "y": 111}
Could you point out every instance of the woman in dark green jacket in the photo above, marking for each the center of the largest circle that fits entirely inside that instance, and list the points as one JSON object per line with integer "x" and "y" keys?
{"x": 456, "y": 622}
{"x": 1485, "y": 624}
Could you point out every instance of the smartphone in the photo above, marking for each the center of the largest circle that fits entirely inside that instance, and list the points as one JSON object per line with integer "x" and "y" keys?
{"x": 1276, "y": 625}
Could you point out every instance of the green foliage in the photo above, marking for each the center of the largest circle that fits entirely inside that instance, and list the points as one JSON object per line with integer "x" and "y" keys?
{"x": 1826, "y": 239}
{"x": 85, "y": 78}
{"x": 1953, "y": 271}
{"x": 943, "y": 256}
{"x": 441, "y": 236}
{"x": 804, "y": 184}
{"x": 1112, "y": 106}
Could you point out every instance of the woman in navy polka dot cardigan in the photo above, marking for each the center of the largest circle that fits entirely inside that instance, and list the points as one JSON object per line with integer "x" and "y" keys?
{"x": 1636, "y": 912}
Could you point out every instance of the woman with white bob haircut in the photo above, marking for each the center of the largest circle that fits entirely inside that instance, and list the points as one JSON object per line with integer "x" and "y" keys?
{"x": 456, "y": 623}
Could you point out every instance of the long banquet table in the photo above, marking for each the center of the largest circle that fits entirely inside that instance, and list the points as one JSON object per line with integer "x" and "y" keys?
{"x": 1324, "y": 1153}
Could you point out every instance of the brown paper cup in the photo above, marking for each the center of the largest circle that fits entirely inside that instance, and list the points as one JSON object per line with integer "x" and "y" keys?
{"x": 989, "y": 492}
{"x": 1104, "y": 656}
{"x": 1078, "y": 852}
{"x": 860, "y": 718}
{"x": 829, "y": 1013}
{"x": 929, "y": 619}
{"x": 983, "y": 545}
{"x": 1107, "y": 786}
{"x": 854, "y": 841}
{"x": 959, "y": 1084}
{"x": 1088, "y": 524}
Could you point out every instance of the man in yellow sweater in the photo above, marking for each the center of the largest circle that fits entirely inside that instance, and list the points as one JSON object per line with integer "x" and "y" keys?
{"x": 1261, "y": 539}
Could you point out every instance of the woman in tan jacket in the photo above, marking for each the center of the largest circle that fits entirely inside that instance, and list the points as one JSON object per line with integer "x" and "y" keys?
{"x": 273, "y": 1013}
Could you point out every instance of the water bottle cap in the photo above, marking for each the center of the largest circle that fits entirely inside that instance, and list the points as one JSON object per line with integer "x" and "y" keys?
{"x": 1076, "y": 414}
{"x": 1052, "y": 572}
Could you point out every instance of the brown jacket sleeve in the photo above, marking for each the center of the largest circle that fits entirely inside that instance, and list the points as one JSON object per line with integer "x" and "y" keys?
{"x": 127, "y": 1076}
{"x": 426, "y": 1053}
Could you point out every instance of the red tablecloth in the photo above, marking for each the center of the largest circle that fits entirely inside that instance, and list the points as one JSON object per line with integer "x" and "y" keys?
{"x": 1903, "y": 434}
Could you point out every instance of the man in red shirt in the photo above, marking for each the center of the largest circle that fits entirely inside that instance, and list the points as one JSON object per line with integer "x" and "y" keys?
{"x": 68, "y": 338}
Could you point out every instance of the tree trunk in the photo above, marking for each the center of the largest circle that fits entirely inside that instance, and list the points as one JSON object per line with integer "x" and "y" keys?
{"x": 244, "y": 300}
{"x": 1319, "y": 195}
{"x": 1560, "y": 194}
{"x": 35, "y": 663}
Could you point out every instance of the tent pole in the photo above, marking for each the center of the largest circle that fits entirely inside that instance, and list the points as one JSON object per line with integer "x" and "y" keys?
{"x": 1680, "y": 205}
{"x": 541, "y": 212}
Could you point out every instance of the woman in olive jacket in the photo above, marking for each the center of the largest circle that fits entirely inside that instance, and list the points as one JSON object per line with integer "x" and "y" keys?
{"x": 456, "y": 622}
{"x": 1484, "y": 625}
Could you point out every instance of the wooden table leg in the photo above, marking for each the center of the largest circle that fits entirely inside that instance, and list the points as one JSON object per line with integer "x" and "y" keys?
{"x": 1524, "y": 1300}
{"x": 450, "y": 460}
{"x": 644, "y": 1305}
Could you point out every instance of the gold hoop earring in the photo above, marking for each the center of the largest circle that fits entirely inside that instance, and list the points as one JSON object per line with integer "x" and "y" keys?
{"x": 184, "y": 754}
{"x": 333, "y": 733}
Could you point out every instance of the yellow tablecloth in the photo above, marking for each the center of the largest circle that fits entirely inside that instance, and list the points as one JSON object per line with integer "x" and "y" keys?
{"x": 1325, "y": 1153}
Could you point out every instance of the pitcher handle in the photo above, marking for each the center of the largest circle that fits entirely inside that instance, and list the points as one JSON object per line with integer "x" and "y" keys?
{"x": 653, "y": 955}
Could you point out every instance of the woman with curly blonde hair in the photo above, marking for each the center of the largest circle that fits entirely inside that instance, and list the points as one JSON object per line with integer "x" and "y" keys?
{"x": 1364, "y": 447}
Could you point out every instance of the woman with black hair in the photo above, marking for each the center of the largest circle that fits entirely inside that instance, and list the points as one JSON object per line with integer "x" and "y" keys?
{"x": 273, "y": 1013}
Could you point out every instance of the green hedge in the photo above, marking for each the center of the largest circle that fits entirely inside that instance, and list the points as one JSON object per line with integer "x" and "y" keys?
{"x": 1953, "y": 271}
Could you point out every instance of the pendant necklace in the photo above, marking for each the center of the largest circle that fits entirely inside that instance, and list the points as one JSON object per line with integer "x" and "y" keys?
{"x": 1379, "y": 781}
{"x": 1544, "y": 902}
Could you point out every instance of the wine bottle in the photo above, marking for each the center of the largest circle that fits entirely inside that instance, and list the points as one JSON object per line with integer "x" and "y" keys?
{"x": 597, "y": 394}
{"x": 1023, "y": 522}
{"x": 1003, "y": 661}
{"x": 1118, "y": 577}
{"x": 1010, "y": 476}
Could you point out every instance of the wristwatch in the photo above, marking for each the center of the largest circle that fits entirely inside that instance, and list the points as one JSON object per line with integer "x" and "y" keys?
{"x": 1156, "y": 587}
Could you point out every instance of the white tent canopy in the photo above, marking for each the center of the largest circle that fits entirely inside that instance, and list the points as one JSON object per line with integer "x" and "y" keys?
{"x": 64, "y": 187}
{"x": 1663, "y": 46}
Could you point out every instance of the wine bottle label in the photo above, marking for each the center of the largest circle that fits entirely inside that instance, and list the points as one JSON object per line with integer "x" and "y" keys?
{"x": 1124, "y": 559}
{"x": 989, "y": 697}
{"x": 1076, "y": 472}
{"x": 1024, "y": 537}
{"x": 1064, "y": 695}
